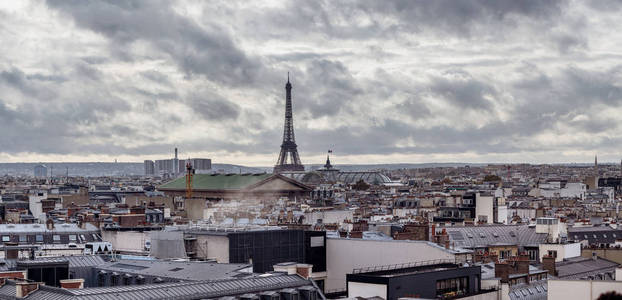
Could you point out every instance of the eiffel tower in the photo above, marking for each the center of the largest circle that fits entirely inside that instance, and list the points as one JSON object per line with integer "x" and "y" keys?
{"x": 288, "y": 158}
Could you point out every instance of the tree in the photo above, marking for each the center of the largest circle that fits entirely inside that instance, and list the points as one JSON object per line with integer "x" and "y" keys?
{"x": 610, "y": 296}
{"x": 490, "y": 177}
{"x": 361, "y": 186}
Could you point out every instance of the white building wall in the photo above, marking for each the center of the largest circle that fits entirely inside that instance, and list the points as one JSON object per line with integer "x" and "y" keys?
{"x": 329, "y": 216}
{"x": 523, "y": 213}
{"x": 35, "y": 206}
{"x": 126, "y": 241}
{"x": 213, "y": 247}
{"x": 581, "y": 289}
{"x": 563, "y": 250}
{"x": 344, "y": 255}
{"x": 484, "y": 207}
{"x": 502, "y": 214}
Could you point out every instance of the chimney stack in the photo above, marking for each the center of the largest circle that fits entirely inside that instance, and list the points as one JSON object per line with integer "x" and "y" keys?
{"x": 502, "y": 271}
{"x": 9, "y": 251}
{"x": 548, "y": 263}
{"x": 72, "y": 283}
{"x": 23, "y": 289}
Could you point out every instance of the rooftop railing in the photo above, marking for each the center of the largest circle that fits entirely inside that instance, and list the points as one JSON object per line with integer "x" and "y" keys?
{"x": 403, "y": 265}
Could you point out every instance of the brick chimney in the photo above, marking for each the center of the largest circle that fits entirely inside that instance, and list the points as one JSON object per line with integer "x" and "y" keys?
{"x": 9, "y": 251}
{"x": 304, "y": 270}
{"x": 522, "y": 264}
{"x": 24, "y": 289}
{"x": 502, "y": 270}
{"x": 356, "y": 234}
{"x": 548, "y": 263}
{"x": 13, "y": 274}
{"x": 72, "y": 283}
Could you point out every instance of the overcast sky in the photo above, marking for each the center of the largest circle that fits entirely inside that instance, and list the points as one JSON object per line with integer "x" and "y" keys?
{"x": 376, "y": 81}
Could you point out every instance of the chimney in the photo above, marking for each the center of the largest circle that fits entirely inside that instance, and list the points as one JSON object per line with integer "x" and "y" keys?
{"x": 304, "y": 270}
{"x": 49, "y": 224}
{"x": 11, "y": 253}
{"x": 548, "y": 263}
{"x": 24, "y": 289}
{"x": 502, "y": 270}
{"x": 356, "y": 234}
{"x": 72, "y": 283}
{"x": 522, "y": 264}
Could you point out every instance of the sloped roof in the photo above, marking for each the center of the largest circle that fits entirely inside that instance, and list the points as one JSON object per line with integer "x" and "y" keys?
{"x": 482, "y": 236}
{"x": 579, "y": 267}
{"x": 180, "y": 270}
{"x": 595, "y": 235}
{"x": 216, "y": 181}
{"x": 181, "y": 290}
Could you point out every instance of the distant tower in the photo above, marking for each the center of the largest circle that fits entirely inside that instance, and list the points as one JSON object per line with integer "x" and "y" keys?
{"x": 288, "y": 158}
{"x": 596, "y": 165}
{"x": 175, "y": 164}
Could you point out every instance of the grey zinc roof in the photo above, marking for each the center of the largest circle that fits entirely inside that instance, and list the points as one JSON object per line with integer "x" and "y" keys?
{"x": 187, "y": 290}
{"x": 482, "y": 236}
{"x": 533, "y": 291}
{"x": 41, "y": 228}
{"x": 84, "y": 260}
{"x": 579, "y": 267}
{"x": 595, "y": 235}
{"x": 193, "y": 271}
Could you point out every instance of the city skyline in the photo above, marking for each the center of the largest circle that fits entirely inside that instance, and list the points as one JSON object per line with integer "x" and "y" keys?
{"x": 401, "y": 82}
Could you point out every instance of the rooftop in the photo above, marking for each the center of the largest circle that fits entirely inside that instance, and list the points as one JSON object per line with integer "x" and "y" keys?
{"x": 193, "y": 271}
{"x": 185, "y": 290}
{"x": 482, "y": 236}
{"x": 216, "y": 181}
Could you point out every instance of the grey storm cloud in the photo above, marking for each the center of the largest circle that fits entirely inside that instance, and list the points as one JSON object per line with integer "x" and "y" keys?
{"x": 212, "y": 107}
{"x": 464, "y": 18}
{"x": 196, "y": 50}
{"x": 463, "y": 91}
{"x": 429, "y": 78}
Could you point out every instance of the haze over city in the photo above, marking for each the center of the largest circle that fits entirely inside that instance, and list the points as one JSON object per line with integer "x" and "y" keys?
{"x": 374, "y": 81}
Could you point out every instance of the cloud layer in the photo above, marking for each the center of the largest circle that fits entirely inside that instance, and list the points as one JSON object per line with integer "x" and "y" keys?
{"x": 377, "y": 82}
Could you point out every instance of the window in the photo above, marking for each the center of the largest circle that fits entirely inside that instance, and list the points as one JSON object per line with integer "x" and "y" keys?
{"x": 604, "y": 235}
{"x": 454, "y": 286}
{"x": 56, "y": 238}
{"x": 114, "y": 280}
{"x": 82, "y": 238}
{"x": 6, "y": 238}
{"x": 101, "y": 279}
{"x": 39, "y": 238}
{"x": 317, "y": 241}
{"x": 553, "y": 253}
{"x": 23, "y": 239}
{"x": 72, "y": 237}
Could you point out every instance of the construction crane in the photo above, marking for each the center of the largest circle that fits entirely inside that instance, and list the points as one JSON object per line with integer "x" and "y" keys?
{"x": 189, "y": 174}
